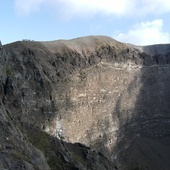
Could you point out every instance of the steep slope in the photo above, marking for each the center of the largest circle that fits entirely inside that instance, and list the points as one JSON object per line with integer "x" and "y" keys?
{"x": 15, "y": 150}
{"x": 111, "y": 96}
{"x": 24, "y": 145}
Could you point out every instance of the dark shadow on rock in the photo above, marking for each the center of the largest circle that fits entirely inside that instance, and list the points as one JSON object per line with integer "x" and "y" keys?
{"x": 143, "y": 131}
{"x": 143, "y": 139}
{"x": 63, "y": 155}
{"x": 143, "y": 135}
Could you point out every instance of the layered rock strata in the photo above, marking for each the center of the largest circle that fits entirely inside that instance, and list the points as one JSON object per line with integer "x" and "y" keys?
{"x": 110, "y": 96}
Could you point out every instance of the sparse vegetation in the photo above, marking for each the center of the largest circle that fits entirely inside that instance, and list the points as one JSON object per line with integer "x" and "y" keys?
{"x": 8, "y": 70}
{"x": 19, "y": 155}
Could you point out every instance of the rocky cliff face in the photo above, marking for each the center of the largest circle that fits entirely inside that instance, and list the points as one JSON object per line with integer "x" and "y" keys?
{"x": 26, "y": 107}
{"x": 109, "y": 96}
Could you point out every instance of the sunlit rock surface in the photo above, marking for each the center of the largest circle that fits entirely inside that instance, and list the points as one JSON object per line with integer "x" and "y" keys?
{"x": 110, "y": 96}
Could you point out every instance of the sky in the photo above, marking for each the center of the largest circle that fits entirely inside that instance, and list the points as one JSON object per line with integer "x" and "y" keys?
{"x": 140, "y": 22}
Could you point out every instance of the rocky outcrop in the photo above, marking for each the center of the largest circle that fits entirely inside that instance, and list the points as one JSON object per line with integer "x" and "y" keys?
{"x": 25, "y": 96}
{"x": 109, "y": 96}
{"x": 15, "y": 150}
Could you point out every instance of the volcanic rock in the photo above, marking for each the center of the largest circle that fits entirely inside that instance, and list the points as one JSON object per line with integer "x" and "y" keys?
{"x": 85, "y": 103}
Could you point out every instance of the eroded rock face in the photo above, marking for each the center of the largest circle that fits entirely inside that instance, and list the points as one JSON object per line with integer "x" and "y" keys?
{"x": 111, "y": 96}
{"x": 15, "y": 150}
{"x": 26, "y": 105}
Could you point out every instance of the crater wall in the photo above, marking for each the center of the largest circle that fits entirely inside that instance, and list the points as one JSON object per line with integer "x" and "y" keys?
{"x": 111, "y": 96}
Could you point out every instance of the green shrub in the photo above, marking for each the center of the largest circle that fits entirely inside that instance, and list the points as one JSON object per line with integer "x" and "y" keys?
{"x": 8, "y": 70}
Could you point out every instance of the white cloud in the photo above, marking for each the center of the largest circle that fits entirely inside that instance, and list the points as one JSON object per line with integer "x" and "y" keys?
{"x": 105, "y": 6}
{"x": 146, "y": 33}
{"x": 92, "y": 7}
{"x": 156, "y": 6}
{"x": 26, "y": 7}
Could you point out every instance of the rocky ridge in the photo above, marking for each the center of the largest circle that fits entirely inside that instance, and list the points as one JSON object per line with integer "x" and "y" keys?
{"x": 111, "y": 97}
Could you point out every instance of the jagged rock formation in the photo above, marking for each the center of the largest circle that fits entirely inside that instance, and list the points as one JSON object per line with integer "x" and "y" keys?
{"x": 26, "y": 106}
{"x": 110, "y": 96}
